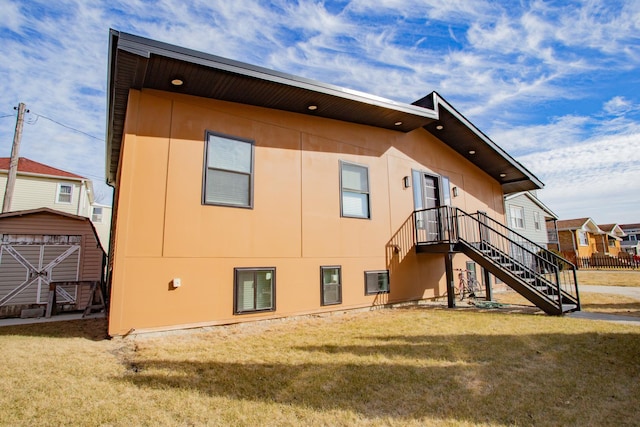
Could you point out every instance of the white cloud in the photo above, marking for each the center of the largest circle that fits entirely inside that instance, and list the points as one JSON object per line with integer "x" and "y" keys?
{"x": 503, "y": 68}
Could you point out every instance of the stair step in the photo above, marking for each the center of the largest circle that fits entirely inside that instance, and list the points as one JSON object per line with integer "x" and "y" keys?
{"x": 569, "y": 307}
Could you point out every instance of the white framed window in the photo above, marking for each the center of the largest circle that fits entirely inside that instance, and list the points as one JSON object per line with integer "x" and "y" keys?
{"x": 583, "y": 238}
{"x": 354, "y": 191}
{"x": 536, "y": 221}
{"x": 632, "y": 237}
{"x": 65, "y": 192}
{"x": 96, "y": 214}
{"x": 517, "y": 217}
{"x": 228, "y": 172}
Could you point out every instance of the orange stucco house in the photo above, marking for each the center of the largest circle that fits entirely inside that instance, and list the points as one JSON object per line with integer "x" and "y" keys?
{"x": 242, "y": 193}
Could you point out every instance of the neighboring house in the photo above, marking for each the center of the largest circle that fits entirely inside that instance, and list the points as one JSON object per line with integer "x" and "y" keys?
{"x": 101, "y": 219}
{"x": 42, "y": 245}
{"x": 528, "y": 216}
{"x": 39, "y": 185}
{"x": 609, "y": 241}
{"x": 243, "y": 193}
{"x": 631, "y": 240}
{"x": 576, "y": 238}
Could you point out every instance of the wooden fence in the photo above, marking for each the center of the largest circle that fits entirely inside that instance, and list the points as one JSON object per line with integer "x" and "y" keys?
{"x": 630, "y": 263}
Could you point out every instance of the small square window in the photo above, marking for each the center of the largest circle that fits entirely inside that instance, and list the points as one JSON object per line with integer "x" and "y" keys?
{"x": 254, "y": 290}
{"x": 96, "y": 216}
{"x": 331, "y": 281}
{"x": 64, "y": 193}
{"x": 376, "y": 282}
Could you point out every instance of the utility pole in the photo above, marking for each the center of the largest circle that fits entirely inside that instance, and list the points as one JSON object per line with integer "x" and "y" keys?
{"x": 15, "y": 155}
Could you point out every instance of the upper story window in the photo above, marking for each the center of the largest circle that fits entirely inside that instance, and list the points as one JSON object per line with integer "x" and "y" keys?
{"x": 632, "y": 237}
{"x": 517, "y": 216}
{"x": 354, "y": 190}
{"x": 536, "y": 221}
{"x": 228, "y": 174}
{"x": 64, "y": 193}
{"x": 583, "y": 238}
{"x": 96, "y": 215}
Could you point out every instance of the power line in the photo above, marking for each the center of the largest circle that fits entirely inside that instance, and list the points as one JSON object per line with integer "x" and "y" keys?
{"x": 67, "y": 126}
{"x": 7, "y": 115}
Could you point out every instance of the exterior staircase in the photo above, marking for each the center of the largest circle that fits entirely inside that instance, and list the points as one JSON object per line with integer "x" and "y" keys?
{"x": 542, "y": 277}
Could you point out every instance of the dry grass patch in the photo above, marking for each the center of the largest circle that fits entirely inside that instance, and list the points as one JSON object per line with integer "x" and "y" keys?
{"x": 420, "y": 366}
{"x": 609, "y": 277}
{"x": 590, "y": 302}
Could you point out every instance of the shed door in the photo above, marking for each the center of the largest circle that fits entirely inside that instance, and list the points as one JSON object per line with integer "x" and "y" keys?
{"x": 29, "y": 262}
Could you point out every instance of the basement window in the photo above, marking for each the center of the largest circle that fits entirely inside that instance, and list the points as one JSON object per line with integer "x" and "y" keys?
{"x": 254, "y": 290}
{"x": 331, "y": 280}
{"x": 376, "y": 282}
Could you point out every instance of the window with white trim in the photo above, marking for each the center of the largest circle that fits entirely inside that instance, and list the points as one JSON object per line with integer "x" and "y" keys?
{"x": 536, "y": 220}
{"x": 228, "y": 174}
{"x": 65, "y": 192}
{"x": 376, "y": 282}
{"x": 583, "y": 238}
{"x": 517, "y": 216}
{"x": 255, "y": 290}
{"x": 96, "y": 215}
{"x": 354, "y": 190}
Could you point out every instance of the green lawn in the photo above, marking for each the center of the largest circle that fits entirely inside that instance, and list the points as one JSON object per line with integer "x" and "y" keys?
{"x": 415, "y": 366}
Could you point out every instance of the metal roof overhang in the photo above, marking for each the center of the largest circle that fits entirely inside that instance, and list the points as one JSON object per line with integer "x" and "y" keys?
{"x": 138, "y": 63}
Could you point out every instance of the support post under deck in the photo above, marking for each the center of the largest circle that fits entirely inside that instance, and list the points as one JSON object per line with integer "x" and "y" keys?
{"x": 487, "y": 284}
{"x": 451, "y": 287}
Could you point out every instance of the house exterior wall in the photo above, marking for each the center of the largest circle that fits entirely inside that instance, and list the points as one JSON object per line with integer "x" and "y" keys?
{"x": 33, "y": 192}
{"x": 163, "y": 231}
{"x": 529, "y": 231}
{"x": 102, "y": 224}
{"x": 570, "y": 245}
{"x": 603, "y": 245}
{"x": 45, "y": 223}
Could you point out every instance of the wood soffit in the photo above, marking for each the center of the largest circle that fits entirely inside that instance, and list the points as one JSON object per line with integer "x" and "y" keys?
{"x": 140, "y": 63}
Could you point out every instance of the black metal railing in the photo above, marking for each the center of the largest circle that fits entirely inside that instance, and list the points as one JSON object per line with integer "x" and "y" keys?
{"x": 541, "y": 270}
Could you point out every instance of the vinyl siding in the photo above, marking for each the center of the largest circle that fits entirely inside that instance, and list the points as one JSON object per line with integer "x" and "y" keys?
{"x": 529, "y": 231}
{"x": 33, "y": 192}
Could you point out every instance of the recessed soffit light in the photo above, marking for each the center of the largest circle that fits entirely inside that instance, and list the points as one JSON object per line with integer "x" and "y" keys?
{"x": 502, "y": 175}
{"x": 312, "y": 107}
{"x": 472, "y": 152}
{"x": 439, "y": 127}
{"x": 177, "y": 81}
{"x": 397, "y": 123}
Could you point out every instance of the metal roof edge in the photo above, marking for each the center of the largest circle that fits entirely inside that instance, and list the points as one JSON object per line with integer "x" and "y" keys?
{"x": 145, "y": 47}
{"x": 439, "y": 101}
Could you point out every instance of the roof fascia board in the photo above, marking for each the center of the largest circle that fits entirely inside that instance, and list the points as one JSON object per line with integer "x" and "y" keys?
{"x": 534, "y": 199}
{"x": 439, "y": 101}
{"x": 45, "y": 175}
{"x": 145, "y": 47}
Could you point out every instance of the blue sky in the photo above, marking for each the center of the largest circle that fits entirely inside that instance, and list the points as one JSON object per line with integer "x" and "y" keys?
{"x": 555, "y": 83}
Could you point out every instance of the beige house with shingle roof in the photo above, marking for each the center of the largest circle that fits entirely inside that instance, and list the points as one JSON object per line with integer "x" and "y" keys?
{"x": 609, "y": 241}
{"x": 39, "y": 185}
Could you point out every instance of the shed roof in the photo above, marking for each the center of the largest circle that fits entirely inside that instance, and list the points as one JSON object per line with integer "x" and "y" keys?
{"x": 49, "y": 211}
{"x": 137, "y": 63}
{"x": 29, "y": 166}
